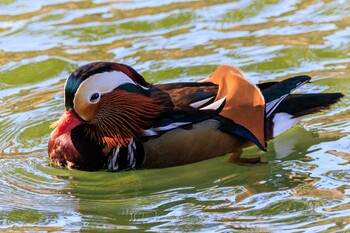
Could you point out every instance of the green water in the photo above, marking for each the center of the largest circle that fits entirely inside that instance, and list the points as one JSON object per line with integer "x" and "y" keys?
{"x": 303, "y": 188}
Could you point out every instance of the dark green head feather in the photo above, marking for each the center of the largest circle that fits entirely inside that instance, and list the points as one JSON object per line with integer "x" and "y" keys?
{"x": 71, "y": 88}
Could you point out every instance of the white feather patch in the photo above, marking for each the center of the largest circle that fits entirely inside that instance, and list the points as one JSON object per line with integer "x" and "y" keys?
{"x": 101, "y": 83}
{"x": 272, "y": 105}
{"x": 214, "y": 105}
{"x": 201, "y": 102}
{"x": 154, "y": 131}
{"x": 108, "y": 81}
{"x": 282, "y": 122}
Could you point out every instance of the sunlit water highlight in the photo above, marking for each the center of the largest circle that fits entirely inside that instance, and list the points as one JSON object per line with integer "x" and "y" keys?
{"x": 304, "y": 187}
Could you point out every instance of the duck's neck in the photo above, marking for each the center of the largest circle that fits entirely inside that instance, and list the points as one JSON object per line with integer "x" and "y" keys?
{"x": 90, "y": 154}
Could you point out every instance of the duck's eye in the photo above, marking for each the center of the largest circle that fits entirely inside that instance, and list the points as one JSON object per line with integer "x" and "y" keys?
{"x": 95, "y": 97}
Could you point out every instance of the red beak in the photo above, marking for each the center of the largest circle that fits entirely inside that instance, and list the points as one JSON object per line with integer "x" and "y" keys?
{"x": 68, "y": 121}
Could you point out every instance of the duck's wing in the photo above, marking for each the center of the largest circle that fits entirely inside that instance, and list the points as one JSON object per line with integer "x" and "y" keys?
{"x": 226, "y": 95}
{"x": 184, "y": 104}
{"x": 244, "y": 110}
{"x": 241, "y": 107}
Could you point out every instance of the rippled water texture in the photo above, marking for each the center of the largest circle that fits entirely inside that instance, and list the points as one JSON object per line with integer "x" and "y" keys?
{"x": 304, "y": 187}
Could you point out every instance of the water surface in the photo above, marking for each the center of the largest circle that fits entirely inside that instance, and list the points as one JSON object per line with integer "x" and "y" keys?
{"x": 303, "y": 188}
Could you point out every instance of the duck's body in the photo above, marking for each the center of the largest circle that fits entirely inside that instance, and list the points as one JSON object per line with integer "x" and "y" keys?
{"x": 183, "y": 146}
{"x": 115, "y": 120}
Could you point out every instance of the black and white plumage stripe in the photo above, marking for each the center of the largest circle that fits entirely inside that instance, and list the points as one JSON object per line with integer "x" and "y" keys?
{"x": 112, "y": 163}
{"x": 272, "y": 105}
{"x": 131, "y": 156}
{"x": 200, "y": 105}
{"x": 123, "y": 158}
{"x": 156, "y": 131}
{"x": 214, "y": 106}
{"x": 275, "y": 94}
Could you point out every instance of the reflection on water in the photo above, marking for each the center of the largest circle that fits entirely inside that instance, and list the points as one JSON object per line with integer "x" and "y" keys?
{"x": 304, "y": 187}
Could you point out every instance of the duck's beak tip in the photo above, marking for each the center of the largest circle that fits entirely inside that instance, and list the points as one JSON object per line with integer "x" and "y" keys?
{"x": 68, "y": 121}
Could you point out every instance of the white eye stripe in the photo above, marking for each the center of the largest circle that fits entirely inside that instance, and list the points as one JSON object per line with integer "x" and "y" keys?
{"x": 101, "y": 83}
{"x": 108, "y": 81}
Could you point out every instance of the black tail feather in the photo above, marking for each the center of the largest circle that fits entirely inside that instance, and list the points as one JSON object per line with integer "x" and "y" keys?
{"x": 276, "y": 90}
{"x": 275, "y": 93}
{"x": 279, "y": 99}
{"x": 299, "y": 105}
{"x": 264, "y": 86}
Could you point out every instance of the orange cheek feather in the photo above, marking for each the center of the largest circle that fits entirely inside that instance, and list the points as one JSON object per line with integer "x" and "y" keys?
{"x": 121, "y": 116}
{"x": 68, "y": 121}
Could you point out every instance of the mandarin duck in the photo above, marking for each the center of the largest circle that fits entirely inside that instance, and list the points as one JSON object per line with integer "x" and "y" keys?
{"x": 115, "y": 120}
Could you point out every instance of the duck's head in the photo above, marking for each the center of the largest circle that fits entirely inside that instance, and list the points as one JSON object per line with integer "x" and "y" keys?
{"x": 110, "y": 102}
